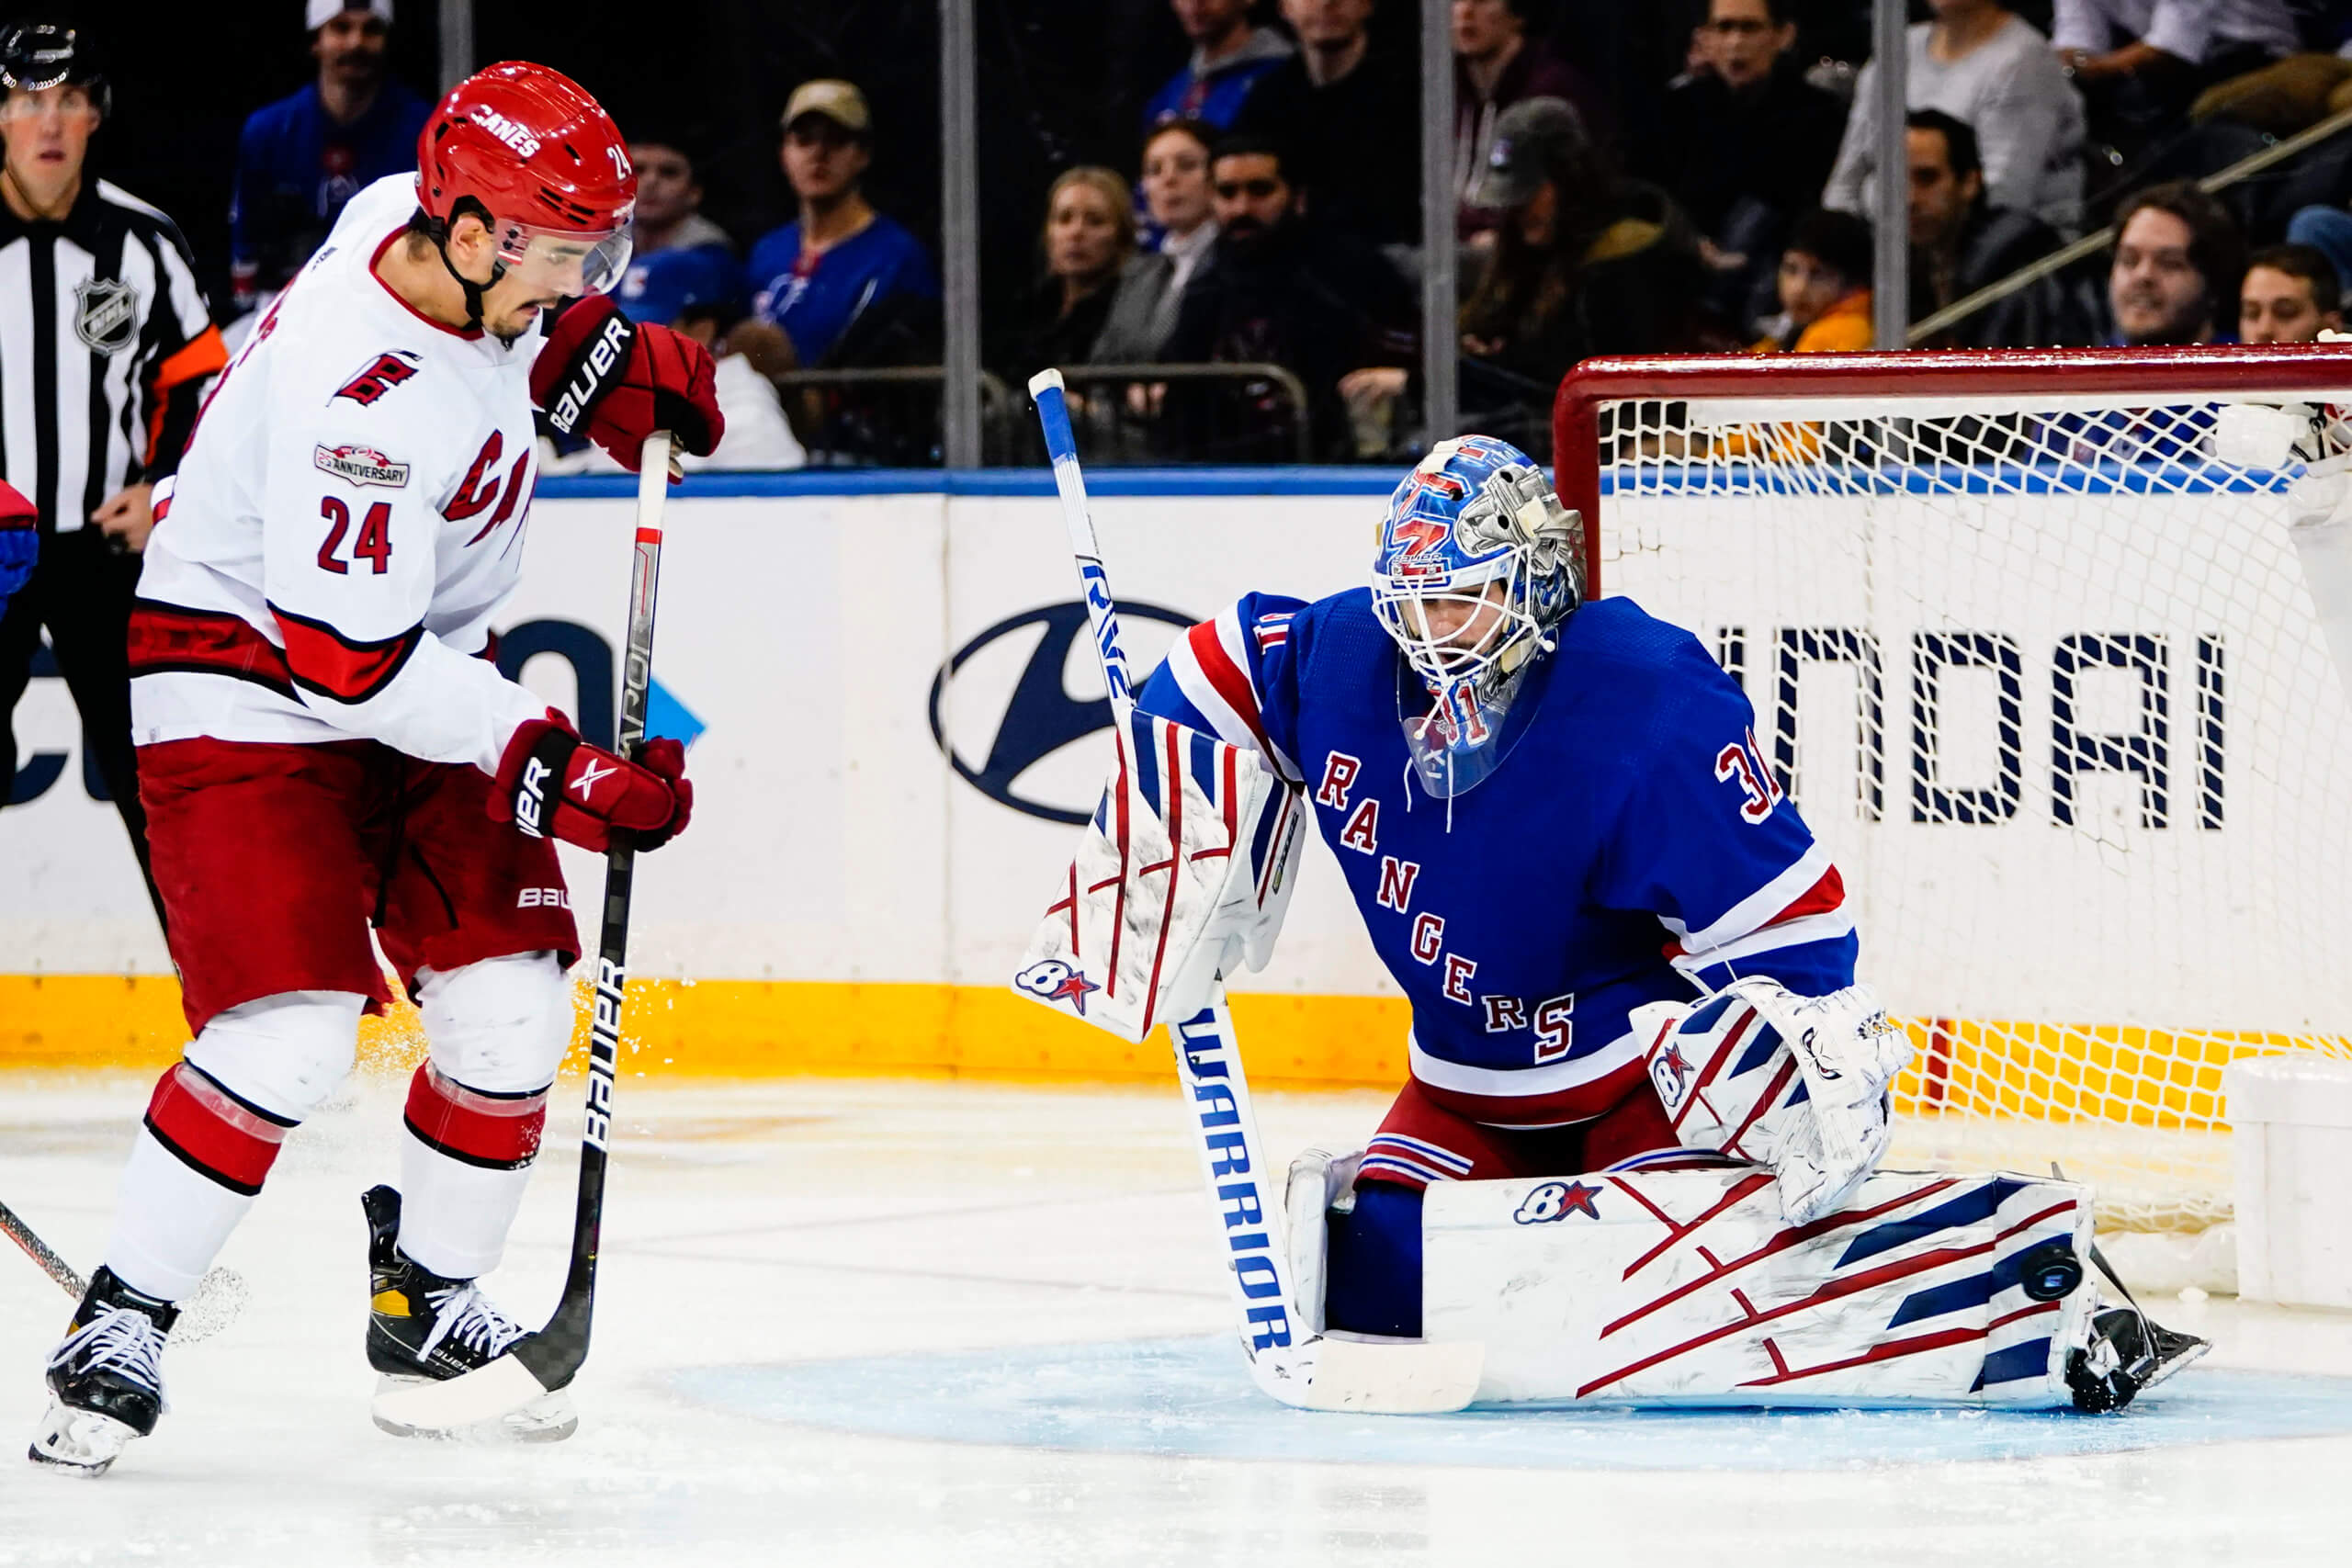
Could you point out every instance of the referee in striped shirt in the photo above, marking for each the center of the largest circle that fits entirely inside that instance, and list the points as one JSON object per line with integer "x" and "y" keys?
{"x": 106, "y": 347}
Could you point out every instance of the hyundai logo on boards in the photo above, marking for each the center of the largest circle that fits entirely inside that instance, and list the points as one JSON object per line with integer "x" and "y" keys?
{"x": 1017, "y": 695}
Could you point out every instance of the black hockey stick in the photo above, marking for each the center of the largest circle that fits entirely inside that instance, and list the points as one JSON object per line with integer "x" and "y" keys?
{"x": 542, "y": 1362}
{"x": 220, "y": 1295}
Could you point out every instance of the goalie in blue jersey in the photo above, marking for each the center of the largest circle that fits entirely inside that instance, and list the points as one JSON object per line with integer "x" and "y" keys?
{"x": 1624, "y": 949}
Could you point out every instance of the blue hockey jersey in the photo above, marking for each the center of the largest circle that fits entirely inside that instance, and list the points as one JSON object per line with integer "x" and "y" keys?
{"x": 1631, "y": 842}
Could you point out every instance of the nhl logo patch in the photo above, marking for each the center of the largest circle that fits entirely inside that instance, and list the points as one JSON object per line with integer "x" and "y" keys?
{"x": 106, "y": 314}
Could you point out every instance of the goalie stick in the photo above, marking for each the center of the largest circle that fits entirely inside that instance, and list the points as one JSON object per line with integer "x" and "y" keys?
{"x": 220, "y": 1295}
{"x": 1288, "y": 1358}
{"x": 543, "y": 1362}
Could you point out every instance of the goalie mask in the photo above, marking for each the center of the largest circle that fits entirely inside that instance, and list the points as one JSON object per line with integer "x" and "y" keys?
{"x": 1478, "y": 564}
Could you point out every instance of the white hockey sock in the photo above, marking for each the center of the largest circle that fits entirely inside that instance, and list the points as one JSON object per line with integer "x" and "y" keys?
{"x": 476, "y": 1109}
{"x": 455, "y": 1215}
{"x": 170, "y": 1222}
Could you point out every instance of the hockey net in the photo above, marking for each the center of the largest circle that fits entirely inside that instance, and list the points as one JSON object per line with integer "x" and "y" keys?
{"x": 2028, "y": 643}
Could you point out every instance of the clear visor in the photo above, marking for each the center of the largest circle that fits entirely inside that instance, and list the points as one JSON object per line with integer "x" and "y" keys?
{"x": 1454, "y": 746}
{"x": 567, "y": 263}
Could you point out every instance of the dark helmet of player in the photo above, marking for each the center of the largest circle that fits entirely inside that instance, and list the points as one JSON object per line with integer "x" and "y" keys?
{"x": 1478, "y": 564}
{"x": 528, "y": 151}
{"x": 35, "y": 55}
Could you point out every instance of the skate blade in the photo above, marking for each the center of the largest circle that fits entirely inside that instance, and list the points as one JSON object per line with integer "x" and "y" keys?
{"x": 78, "y": 1442}
{"x": 549, "y": 1419}
{"x": 2194, "y": 1352}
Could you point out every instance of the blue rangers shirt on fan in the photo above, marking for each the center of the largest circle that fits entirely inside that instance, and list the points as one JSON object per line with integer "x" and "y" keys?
{"x": 1629, "y": 842}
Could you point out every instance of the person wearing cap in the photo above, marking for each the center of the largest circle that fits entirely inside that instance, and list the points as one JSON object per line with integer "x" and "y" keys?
{"x": 106, "y": 350}
{"x": 299, "y": 158}
{"x": 1495, "y": 65}
{"x": 1586, "y": 262}
{"x": 845, "y": 284}
{"x": 692, "y": 289}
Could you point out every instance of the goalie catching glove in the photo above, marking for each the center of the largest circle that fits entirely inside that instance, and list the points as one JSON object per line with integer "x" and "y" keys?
{"x": 617, "y": 382}
{"x": 1797, "y": 1083}
{"x": 551, "y": 782}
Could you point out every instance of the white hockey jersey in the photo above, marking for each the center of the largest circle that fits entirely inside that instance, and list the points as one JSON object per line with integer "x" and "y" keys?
{"x": 346, "y": 524}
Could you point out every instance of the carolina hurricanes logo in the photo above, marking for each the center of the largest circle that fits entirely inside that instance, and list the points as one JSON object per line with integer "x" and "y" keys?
{"x": 1051, "y": 980}
{"x": 381, "y": 375}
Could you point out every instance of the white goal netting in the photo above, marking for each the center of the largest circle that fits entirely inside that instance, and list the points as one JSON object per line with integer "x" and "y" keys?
{"x": 2043, "y": 673}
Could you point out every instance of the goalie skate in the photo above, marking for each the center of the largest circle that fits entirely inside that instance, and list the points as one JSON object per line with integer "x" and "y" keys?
{"x": 105, "y": 1378}
{"x": 424, "y": 1328}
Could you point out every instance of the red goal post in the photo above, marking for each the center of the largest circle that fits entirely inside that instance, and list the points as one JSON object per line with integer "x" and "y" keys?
{"x": 2027, "y": 641}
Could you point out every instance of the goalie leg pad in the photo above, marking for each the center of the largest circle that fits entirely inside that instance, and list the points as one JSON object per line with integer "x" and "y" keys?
{"x": 1688, "y": 1286}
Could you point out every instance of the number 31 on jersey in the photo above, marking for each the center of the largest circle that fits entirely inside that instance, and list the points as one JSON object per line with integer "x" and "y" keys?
{"x": 1742, "y": 761}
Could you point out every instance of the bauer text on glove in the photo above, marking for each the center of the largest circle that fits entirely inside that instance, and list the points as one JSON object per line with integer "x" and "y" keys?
{"x": 551, "y": 782}
{"x": 617, "y": 382}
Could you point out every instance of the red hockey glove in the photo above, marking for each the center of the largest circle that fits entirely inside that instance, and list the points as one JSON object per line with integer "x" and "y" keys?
{"x": 551, "y": 781}
{"x": 617, "y": 382}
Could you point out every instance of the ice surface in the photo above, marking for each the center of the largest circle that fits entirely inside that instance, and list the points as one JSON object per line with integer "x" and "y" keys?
{"x": 849, "y": 1323}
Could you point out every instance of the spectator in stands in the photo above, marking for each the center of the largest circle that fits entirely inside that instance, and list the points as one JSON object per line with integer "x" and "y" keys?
{"x": 2290, "y": 295}
{"x": 1346, "y": 108}
{"x": 1277, "y": 290}
{"x": 302, "y": 158}
{"x": 843, "y": 284}
{"x": 1980, "y": 63}
{"x": 2327, "y": 230}
{"x": 1744, "y": 146}
{"x": 1151, "y": 286}
{"x": 1229, "y": 58}
{"x": 1960, "y": 242}
{"x": 1585, "y": 262}
{"x": 694, "y": 290}
{"x": 1495, "y": 65}
{"x": 2178, "y": 257}
{"x": 2141, "y": 62}
{"x": 1824, "y": 288}
{"x": 669, "y": 200}
{"x": 1088, "y": 236}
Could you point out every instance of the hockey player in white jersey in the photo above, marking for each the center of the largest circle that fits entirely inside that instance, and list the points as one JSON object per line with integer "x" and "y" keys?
{"x": 326, "y": 742}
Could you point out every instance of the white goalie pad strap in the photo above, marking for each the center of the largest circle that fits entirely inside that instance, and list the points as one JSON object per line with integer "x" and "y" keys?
{"x": 1183, "y": 874}
{"x": 1686, "y": 1287}
{"x": 1797, "y": 1083}
{"x": 1319, "y": 1181}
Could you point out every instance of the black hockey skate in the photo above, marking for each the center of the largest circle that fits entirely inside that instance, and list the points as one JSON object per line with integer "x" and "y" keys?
{"x": 105, "y": 1378}
{"x": 2129, "y": 1353}
{"x": 422, "y": 1326}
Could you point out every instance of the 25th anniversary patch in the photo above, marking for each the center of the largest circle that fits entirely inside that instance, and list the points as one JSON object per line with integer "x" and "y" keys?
{"x": 360, "y": 465}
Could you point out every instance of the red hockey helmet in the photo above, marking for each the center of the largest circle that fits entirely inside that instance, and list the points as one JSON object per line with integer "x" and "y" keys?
{"x": 543, "y": 164}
